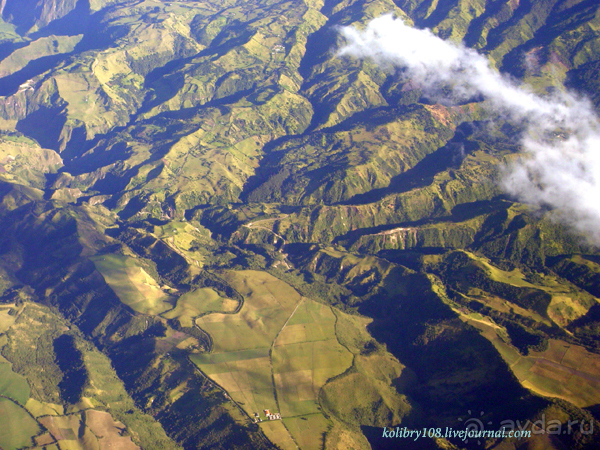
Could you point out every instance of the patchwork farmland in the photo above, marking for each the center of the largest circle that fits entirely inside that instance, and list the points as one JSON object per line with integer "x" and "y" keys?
{"x": 275, "y": 354}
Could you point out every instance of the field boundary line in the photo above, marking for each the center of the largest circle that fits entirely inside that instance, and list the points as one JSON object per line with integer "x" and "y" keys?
{"x": 229, "y": 398}
{"x": 302, "y": 298}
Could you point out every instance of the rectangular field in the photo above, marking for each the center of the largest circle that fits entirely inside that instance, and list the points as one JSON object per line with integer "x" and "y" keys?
{"x": 305, "y": 355}
{"x": 240, "y": 362}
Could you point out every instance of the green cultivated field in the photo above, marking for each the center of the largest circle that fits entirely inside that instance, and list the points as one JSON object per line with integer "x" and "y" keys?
{"x": 132, "y": 284}
{"x": 305, "y": 355}
{"x": 13, "y": 385}
{"x": 18, "y": 427}
{"x": 268, "y": 303}
{"x": 308, "y": 431}
{"x": 277, "y": 336}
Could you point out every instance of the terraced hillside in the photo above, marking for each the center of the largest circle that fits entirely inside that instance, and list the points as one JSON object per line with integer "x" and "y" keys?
{"x": 207, "y": 212}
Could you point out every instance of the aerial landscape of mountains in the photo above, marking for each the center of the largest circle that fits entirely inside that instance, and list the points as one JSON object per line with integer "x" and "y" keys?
{"x": 313, "y": 224}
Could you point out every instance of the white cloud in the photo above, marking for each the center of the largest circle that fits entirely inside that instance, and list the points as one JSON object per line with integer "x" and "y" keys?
{"x": 562, "y": 137}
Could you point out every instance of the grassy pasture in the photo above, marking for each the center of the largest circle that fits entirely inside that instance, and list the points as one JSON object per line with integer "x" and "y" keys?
{"x": 514, "y": 277}
{"x": 183, "y": 236}
{"x": 504, "y": 306}
{"x": 13, "y": 385}
{"x": 246, "y": 377}
{"x": 199, "y": 302}
{"x": 268, "y": 302}
{"x": 364, "y": 395}
{"x": 17, "y": 426}
{"x": 132, "y": 284}
{"x": 308, "y": 431}
{"x": 37, "y": 408}
{"x": 564, "y": 308}
{"x": 276, "y": 431}
{"x": 305, "y": 355}
{"x": 341, "y": 437}
{"x": 240, "y": 361}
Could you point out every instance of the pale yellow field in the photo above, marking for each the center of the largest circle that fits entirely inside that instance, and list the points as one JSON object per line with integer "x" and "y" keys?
{"x": 132, "y": 284}
{"x": 6, "y": 319}
{"x": 199, "y": 302}
{"x": 37, "y": 408}
{"x": 96, "y": 431}
{"x": 275, "y": 430}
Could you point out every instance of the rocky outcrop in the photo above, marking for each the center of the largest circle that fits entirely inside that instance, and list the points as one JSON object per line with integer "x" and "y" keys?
{"x": 18, "y": 12}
